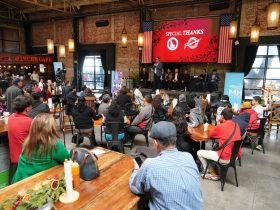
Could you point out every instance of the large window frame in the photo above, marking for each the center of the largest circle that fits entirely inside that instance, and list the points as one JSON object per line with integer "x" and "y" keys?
{"x": 9, "y": 44}
{"x": 93, "y": 74}
{"x": 264, "y": 71}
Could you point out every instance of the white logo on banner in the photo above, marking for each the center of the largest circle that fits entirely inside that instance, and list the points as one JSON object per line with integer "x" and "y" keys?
{"x": 192, "y": 43}
{"x": 172, "y": 43}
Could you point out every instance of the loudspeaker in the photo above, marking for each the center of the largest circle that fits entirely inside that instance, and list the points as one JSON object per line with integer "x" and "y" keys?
{"x": 102, "y": 23}
{"x": 218, "y": 5}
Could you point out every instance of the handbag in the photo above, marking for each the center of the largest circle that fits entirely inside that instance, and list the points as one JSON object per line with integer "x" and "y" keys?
{"x": 216, "y": 145}
{"x": 87, "y": 161}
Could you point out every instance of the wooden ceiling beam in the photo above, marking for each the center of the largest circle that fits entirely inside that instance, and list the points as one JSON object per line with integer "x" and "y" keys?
{"x": 68, "y": 4}
{"x": 40, "y": 5}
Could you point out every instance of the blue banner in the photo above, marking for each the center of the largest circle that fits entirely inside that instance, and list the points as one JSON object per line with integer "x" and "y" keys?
{"x": 234, "y": 88}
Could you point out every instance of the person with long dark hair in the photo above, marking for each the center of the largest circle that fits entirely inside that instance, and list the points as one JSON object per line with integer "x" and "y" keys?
{"x": 159, "y": 110}
{"x": 114, "y": 115}
{"x": 83, "y": 117}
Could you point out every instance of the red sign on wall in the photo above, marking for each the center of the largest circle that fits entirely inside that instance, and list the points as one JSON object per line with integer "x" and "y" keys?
{"x": 191, "y": 40}
{"x": 19, "y": 59}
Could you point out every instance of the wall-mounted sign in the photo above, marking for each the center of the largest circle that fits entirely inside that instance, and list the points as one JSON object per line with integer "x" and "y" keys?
{"x": 23, "y": 59}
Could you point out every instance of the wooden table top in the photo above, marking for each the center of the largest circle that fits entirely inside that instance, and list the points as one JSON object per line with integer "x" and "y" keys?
{"x": 198, "y": 133}
{"x": 108, "y": 191}
{"x": 3, "y": 126}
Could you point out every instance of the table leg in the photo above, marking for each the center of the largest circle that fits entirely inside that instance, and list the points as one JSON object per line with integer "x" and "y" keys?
{"x": 202, "y": 145}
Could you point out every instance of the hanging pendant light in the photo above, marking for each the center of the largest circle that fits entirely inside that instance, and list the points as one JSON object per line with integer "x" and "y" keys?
{"x": 50, "y": 46}
{"x": 233, "y": 29}
{"x": 61, "y": 51}
{"x": 273, "y": 15}
{"x": 71, "y": 45}
{"x": 255, "y": 33}
{"x": 140, "y": 40}
{"x": 124, "y": 37}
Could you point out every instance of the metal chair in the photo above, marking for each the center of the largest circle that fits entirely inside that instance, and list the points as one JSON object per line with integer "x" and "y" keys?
{"x": 114, "y": 128}
{"x": 144, "y": 132}
{"x": 224, "y": 167}
{"x": 255, "y": 136}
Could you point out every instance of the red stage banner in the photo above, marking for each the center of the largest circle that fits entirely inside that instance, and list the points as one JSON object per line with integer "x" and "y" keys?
{"x": 190, "y": 40}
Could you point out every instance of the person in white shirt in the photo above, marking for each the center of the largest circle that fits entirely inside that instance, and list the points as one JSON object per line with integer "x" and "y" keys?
{"x": 41, "y": 84}
{"x": 256, "y": 102}
{"x": 139, "y": 99}
{"x": 34, "y": 76}
{"x": 176, "y": 79}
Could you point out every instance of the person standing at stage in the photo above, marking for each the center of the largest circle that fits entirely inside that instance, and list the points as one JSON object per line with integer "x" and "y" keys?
{"x": 157, "y": 72}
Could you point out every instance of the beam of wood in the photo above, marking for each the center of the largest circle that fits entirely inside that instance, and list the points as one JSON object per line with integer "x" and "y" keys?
{"x": 62, "y": 6}
{"x": 40, "y": 5}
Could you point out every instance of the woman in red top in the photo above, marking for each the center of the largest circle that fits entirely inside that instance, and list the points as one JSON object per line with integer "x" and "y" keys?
{"x": 254, "y": 123}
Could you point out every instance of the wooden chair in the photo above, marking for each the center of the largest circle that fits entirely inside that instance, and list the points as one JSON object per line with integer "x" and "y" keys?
{"x": 274, "y": 118}
{"x": 90, "y": 101}
{"x": 67, "y": 125}
{"x": 204, "y": 106}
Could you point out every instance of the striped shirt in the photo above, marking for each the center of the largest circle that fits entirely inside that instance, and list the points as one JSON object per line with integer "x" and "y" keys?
{"x": 172, "y": 180}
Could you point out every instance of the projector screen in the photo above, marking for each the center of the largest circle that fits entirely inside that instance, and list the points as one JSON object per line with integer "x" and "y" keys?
{"x": 189, "y": 40}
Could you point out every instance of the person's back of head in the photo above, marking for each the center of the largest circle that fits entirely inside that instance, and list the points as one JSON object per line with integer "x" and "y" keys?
{"x": 22, "y": 102}
{"x": 191, "y": 103}
{"x": 157, "y": 102}
{"x": 182, "y": 98}
{"x": 106, "y": 98}
{"x": 114, "y": 109}
{"x": 148, "y": 99}
{"x": 165, "y": 135}
{"x": 84, "y": 87}
{"x": 257, "y": 99}
{"x": 227, "y": 114}
{"x": 81, "y": 105}
{"x": 225, "y": 98}
{"x": 226, "y": 105}
{"x": 123, "y": 90}
{"x": 43, "y": 135}
{"x": 36, "y": 96}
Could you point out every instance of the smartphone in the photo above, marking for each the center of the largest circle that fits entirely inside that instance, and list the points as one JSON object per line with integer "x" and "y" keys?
{"x": 139, "y": 161}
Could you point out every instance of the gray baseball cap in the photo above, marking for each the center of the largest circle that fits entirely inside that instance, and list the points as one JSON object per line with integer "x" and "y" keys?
{"x": 163, "y": 130}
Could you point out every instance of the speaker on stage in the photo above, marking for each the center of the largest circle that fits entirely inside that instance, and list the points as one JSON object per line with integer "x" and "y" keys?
{"x": 102, "y": 23}
{"x": 218, "y": 5}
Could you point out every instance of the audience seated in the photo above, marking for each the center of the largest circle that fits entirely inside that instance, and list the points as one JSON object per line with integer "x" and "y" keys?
{"x": 164, "y": 96}
{"x": 228, "y": 128}
{"x": 182, "y": 102}
{"x": 195, "y": 116}
{"x": 141, "y": 120}
{"x": 183, "y": 142}
{"x": 71, "y": 99}
{"x": 256, "y": 102}
{"x": 222, "y": 106}
{"x": 214, "y": 79}
{"x": 160, "y": 111}
{"x": 175, "y": 81}
{"x": 172, "y": 179}
{"x": 18, "y": 128}
{"x": 82, "y": 92}
{"x": 254, "y": 122}
{"x": 184, "y": 81}
{"x": 201, "y": 85}
{"x": 139, "y": 100}
{"x": 243, "y": 121}
{"x": 144, "y": 76}
{"x": 123, "y": 98}
{"x": 37, "y": 105}
{"x": 12, "y": 92}
{"x": 106, "y": 100}
{"x": 217, "y": 104}
{"x": 42, "y": 148}
{"x": 114, "y": 115}
{"x": 83, "y": 117}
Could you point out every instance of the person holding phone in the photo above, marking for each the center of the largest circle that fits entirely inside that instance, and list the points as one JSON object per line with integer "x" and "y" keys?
{"x": 172, "y": 178}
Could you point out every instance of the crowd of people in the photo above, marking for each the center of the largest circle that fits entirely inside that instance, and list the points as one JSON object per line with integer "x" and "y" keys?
{"x": 172, "y": 178}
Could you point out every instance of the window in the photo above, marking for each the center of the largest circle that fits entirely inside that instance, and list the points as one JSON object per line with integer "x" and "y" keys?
{"x": 265, "y": 71}
{"x": 9, "y": 40}
{"x": 93, "y": 73}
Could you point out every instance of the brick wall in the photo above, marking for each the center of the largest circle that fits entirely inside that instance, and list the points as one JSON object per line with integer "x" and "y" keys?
{"x": 126, "y": 58}
{"x": 251, "y": 8}
{"x": 60, "y": 31}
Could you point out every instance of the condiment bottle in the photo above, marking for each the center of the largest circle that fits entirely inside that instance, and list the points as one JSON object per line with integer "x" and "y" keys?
{"x": 76, "y": 174}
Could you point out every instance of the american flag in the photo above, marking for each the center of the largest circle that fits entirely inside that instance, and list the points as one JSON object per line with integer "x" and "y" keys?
{"x": 225, "y": 44}
{"x": 147, "y": 28}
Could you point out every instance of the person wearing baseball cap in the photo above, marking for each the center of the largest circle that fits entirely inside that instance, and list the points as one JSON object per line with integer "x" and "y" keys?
{"x": 12, "y": 92}
{"x": 172, "y": 178}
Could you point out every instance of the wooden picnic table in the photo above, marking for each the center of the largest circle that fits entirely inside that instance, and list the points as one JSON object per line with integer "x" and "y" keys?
{"x": 108, "y": 191}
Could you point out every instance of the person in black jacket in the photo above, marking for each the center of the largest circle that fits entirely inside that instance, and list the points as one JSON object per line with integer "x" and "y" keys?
{"x": 71, "y": 99}
{"x": 83, "y": 117}
{"x": 37, "y": 105}
{"x": 123, "y": 98}
{"x": 184, "y": 81}
{"x": 144, "y": 75}
{"x": 159, "y": 110}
